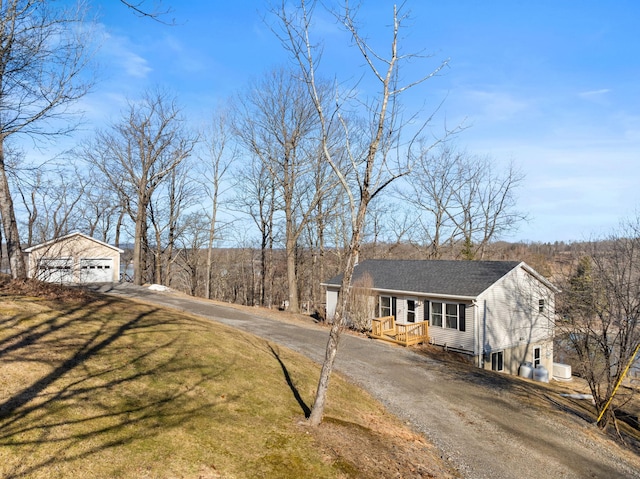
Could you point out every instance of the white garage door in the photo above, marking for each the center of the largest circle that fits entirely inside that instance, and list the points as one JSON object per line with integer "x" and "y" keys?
{"x": 96, "y": 270}
{"x": 56, "y": 270}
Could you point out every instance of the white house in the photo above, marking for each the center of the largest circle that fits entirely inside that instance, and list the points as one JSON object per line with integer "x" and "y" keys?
{"x": 74, "y": 258}
{"x": 499, "y": 312}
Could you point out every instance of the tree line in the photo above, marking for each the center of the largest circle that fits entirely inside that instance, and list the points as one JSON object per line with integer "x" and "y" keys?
{"x": 267, "y": 173}
{"x": 288, "y": 183}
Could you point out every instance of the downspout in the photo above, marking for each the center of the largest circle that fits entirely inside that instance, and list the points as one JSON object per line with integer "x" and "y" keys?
{"x": 484, "y": 330}
{"x": 476, "y": 332}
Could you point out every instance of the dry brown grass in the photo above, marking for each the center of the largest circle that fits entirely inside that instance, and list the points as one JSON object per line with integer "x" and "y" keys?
{"x": 92, "y": 386}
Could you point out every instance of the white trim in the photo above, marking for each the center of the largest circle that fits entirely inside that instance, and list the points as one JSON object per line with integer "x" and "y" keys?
{"x": 540, "y": 278}
{"x": 416, "y": 294}
{"x": 71, "y": 235}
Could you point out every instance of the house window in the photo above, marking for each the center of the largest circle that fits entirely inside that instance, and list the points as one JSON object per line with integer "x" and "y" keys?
{"x": 448, "y": 315}
{"x": 411, "y": 311}
{"x": 451, "y": 315}
{"x": 536, "y": 357}
{"x": 436, "y": 314}
{"x": 541, "y": 305}
{"x": 385, "y": 306}
{"x": 497, "y": 361}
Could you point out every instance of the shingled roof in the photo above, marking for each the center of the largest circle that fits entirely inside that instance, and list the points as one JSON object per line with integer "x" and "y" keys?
{"x": 431, "y": 277}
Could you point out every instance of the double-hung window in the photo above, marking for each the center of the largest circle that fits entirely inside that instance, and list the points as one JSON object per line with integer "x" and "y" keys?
{"x": 385, "y": 306}
{"x": 448, "y": 315}
{"x": 411, "y": 310}
{"x": 451, "y": 317}
{"x": 436, "y": 314}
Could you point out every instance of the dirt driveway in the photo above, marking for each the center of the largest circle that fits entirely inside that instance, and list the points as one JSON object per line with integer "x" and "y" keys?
{"x": 486, "y": 426}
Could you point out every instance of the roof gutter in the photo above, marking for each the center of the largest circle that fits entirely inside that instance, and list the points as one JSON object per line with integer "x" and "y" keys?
{"x": 413, "y": 293}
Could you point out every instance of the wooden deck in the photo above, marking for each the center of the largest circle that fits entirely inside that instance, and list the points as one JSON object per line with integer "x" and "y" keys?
{"x": 405, "y": 334}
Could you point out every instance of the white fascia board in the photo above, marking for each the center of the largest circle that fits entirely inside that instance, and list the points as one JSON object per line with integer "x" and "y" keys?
{"x": 411, "y": 293}
{"x": 70, "y": 235}
{"x": 540, "y": 278}
{"x": 423, "y": 294}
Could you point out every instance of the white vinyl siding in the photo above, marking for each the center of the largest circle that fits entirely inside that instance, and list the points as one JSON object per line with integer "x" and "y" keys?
{"x": 512, "y": 314}
{"x": 442, "y": 314}
{"x": 509, "y": 320}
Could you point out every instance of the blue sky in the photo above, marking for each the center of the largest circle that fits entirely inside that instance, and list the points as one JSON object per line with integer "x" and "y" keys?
{"x": 552, "y": 86}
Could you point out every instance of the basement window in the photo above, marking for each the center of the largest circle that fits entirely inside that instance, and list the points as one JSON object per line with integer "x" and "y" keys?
{"x": 497, "y": 361}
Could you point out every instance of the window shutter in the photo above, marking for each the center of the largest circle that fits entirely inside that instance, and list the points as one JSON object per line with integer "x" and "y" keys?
{"x": 462, "y": 324}
{"x": 426, "y": 310}
{"x": 393, "y": 306}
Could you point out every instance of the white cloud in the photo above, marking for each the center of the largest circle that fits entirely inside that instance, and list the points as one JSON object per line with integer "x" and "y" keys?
{"x": 118, "y": 55}
{"x": 495, "y": 106}
{"x": 594, "y": 93}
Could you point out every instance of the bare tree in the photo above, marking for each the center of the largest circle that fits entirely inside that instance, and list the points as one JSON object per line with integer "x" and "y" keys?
{"x": 190, "y": 262}
{"x": 156, "y": 13}
{"x": 217, "y": 157}
{"x": 317, "y": 231}
{"x": 99, "y": 209}
{"x": 601, "y": 313}
{"x": 279, "y": 127}
{"x": 371, "y": 149}
{"x": 42, "y": 55}
{"x": 174, "y": 195}
{"x": 136, "y": 155}
{"x": 461, "y": 200}
{"x": 51, "y": 196}
{"x": 256, "y": 195}
{"x": 361, "y": 304}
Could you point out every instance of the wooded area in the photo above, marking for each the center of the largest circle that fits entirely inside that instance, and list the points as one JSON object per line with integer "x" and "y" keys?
{"x": 293, "y": 180}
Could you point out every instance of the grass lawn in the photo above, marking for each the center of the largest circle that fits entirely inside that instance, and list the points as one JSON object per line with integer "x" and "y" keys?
{"x": 97, "y": 387}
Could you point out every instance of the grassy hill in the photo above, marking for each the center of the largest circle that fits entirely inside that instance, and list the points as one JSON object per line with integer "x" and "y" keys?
{"x": 92, "y": 386}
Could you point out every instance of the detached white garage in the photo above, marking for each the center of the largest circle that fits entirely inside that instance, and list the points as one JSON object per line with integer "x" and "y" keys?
{"x": 74, "y": 258}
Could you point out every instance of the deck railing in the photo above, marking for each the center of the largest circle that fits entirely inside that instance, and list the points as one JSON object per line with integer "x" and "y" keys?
{"x": 410, "y": 334}
{"x": 405, "y": 334}
{"x": 383, "y": 326}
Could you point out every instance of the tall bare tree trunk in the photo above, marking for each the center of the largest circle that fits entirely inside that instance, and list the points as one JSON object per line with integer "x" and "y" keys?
{"x": 209, "y": 266}
{"x": 139, "y": 250}
{"x": 371, "y": 162}
{"x": 292, "y": 277}
{"x": 212, "y": 236}
{"x": 14, "y": 250}
{"x": 317, "y": 411}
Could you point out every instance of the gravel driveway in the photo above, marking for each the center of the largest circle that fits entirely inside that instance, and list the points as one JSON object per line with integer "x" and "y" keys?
{"x": 484, "y": 431}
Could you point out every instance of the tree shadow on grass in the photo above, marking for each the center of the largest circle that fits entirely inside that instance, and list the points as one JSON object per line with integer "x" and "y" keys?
{"x": 95, "y": 383}
{"x": 296, "y": 394}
